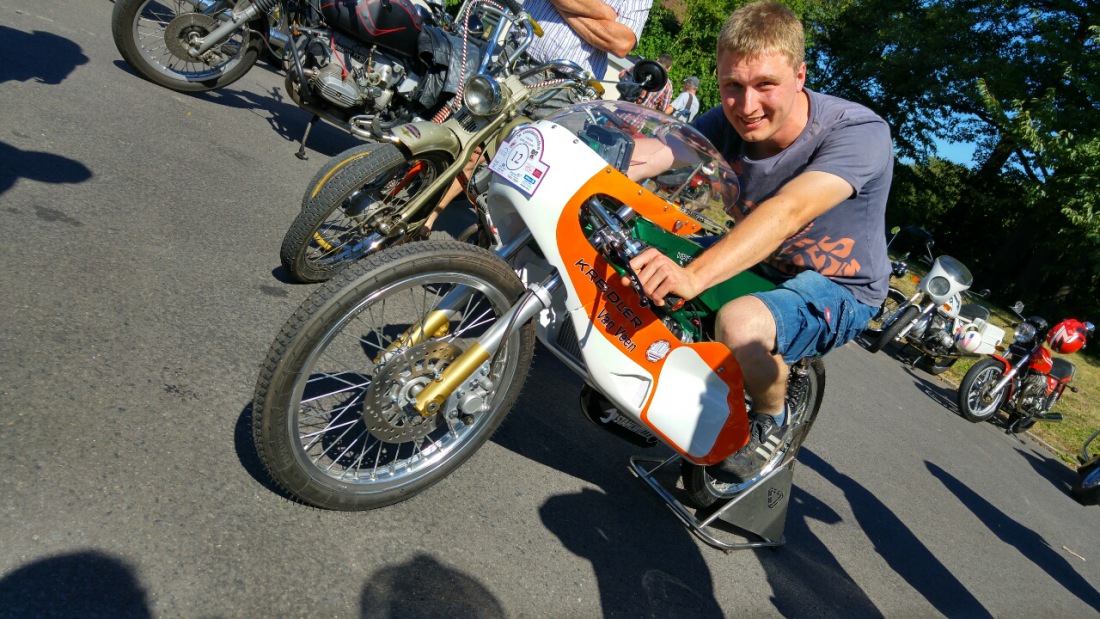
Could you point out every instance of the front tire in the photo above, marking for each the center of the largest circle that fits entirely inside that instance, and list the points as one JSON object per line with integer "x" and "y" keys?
{"x": 891, "y": 332}
{"x": 332, "y": 420}
{"x": 894, "y": 299}
{"x": 975, "y": 403}
{"x": 152, "y": 36}
{"x": 1086, "y": 489}
{"x": 805, "y": 389}
{"x": 345, "y": 201}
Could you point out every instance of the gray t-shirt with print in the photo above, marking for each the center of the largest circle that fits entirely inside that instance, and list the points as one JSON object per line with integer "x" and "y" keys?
{"x": 847, "y": 243}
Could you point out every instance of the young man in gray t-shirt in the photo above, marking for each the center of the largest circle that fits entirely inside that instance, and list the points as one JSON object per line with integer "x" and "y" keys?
{"x": 815, "y": 174}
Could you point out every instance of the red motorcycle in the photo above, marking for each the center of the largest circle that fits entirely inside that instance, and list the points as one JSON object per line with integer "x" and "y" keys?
{"x": 1029, "y": 380}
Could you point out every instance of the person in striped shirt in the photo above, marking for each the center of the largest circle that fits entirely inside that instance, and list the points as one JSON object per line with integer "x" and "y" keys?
{"x": 582, "y": 31}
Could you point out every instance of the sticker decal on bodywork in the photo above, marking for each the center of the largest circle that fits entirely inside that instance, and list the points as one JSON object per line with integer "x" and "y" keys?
{"x": 519, "y": 160}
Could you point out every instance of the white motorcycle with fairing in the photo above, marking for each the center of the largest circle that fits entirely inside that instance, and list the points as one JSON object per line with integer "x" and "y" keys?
{"x": 935, "y": 321}
{"x": 393, "y": 373}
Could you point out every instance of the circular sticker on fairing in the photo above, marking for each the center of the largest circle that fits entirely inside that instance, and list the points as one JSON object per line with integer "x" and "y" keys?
{"x": 519, "y": 160}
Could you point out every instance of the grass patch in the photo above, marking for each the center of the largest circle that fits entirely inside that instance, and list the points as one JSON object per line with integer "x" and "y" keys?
{"x": 1080, "y": 410}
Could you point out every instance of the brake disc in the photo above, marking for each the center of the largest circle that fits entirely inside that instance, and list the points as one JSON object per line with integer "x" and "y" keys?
{"x": 186, "y": 26}
{"x": 388, "y": 408}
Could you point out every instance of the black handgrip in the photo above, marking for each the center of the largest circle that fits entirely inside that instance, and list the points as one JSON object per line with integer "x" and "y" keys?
{"x": 514, "y": 7}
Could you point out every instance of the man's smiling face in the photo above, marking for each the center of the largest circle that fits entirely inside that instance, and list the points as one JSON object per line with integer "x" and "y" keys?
{"x": 761, "y": 96}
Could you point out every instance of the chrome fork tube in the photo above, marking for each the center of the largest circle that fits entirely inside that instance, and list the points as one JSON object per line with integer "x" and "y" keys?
{"x": 238, "y": 19}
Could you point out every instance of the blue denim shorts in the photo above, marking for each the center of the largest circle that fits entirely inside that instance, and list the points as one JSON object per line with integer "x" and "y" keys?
{"x": 814, "y": 315}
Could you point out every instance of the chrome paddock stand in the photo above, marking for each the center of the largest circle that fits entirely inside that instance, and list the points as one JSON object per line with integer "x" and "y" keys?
{"x": 753, "y": 518}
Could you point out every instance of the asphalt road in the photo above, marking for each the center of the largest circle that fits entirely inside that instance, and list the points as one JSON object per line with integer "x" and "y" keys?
{"x": 139, "y": 234}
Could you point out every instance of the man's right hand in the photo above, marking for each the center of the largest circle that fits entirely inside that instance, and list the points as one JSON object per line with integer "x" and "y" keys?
{"x": 660, "y": 276}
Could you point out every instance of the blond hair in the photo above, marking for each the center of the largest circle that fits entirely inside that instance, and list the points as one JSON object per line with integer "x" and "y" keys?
{"x": 761, "y": 28}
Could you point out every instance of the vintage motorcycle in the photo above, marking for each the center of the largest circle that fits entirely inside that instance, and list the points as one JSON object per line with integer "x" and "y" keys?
{"x": 1028, "y": 382}
{"x": 1086, "y": 489}
{"x": 396, "y": 371}
{"x": 362, "y": 65}
{"x": 936, "y": 322}
{"x": 379, "y": 194}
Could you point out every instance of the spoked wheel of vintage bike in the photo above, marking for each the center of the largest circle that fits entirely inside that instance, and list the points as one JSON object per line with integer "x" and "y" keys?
{"x": 975, "y": 402}
{"x": 350, "y": 207}
{"x": 894, "y": 299}
{"x": 333, "y": 416}
{"x": 152, "y": 36}
{"x": 805, "y": 388}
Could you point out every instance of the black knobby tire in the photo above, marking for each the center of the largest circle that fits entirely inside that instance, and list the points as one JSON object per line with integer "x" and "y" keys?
{"x": 1086, "y": 488}
{"x": 312, "y": 421}
{"x": 973, "y": 400}
{"x": 936, "y": 365}
{"x": 890, "y": 333}
{"x": 894, "y": 299}
{"x": 805, "y": 389}
{"x": 139, "y": 28}
{"x": 332, "y": 228}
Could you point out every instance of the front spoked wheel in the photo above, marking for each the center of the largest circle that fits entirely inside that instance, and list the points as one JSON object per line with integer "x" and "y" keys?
{"x": 351, "y": 208}
{"x": 805, "y": 389}
{"x": 333, "y": 419}
{"x": 154, "y": 36}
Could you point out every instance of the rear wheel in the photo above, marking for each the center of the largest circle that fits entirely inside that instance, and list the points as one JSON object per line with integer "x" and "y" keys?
{"x": 1021, "y": 425}
{"x": 153, "y": 37}
{"x": 936, "y": 365}
{"x": 805, "y": 388}
{"x": 975, "y": 402}
{"x": 333, "y": 420}
{"x": 892, "y": 330}
{"x": 351, "y": 208}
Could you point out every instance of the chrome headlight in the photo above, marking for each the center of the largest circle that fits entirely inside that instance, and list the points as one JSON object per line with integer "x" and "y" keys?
{"x": 1025, "y": 332}
{"x": 482, "y": 95}
{"x": 938, "y": 286}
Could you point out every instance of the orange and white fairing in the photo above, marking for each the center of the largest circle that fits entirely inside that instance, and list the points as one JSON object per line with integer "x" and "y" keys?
{"x": 689, "y": 394}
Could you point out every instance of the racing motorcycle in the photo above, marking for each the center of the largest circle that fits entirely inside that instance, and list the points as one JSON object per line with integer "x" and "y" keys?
{"x": 378, "y": 194}
{"x": 936, "y": 322}
{"x": 1086, "y": 489}
{"x": 362, "y": 65}
{"x": 393, "y": 373}
{"x": 1029, "y": 380}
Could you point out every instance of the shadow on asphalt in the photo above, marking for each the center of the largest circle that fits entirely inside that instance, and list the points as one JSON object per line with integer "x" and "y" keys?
{"x": 81, "y": 584}
{"x": 646, "y": 562}
{"x": 1051, "y": 469}
{"x": 403, "y": 590}
{"x": 1029, "y": 543}
{"x": 899, "y": 547}
{"x": 41, "y": 57}
{"x": 282, "y": 114}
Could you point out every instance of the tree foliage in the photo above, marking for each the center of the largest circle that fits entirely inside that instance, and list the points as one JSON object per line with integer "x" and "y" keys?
{"x": 1020, "y": 79}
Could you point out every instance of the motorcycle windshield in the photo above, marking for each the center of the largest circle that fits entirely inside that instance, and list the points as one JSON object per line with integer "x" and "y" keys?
{"x": 663, "y": 155}
{"x": 956, "y": 270}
